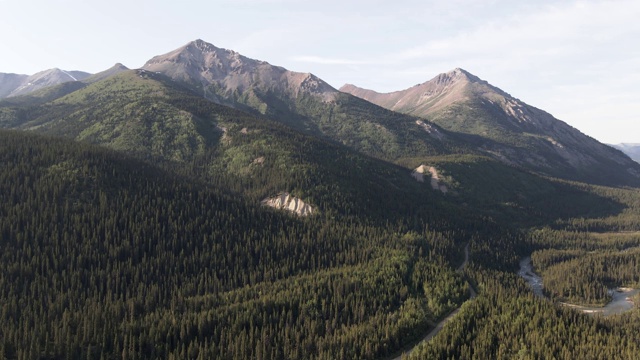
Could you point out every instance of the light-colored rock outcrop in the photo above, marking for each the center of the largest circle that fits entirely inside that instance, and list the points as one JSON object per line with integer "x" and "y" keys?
{"x": 258, "y": 161}
{"x": 430, "y": 129}
{"x": 420, "y": 172}
{"x": 287, "y": 202}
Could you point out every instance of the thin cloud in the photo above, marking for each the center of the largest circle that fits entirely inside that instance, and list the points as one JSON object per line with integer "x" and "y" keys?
{"x": 552, "y": 31}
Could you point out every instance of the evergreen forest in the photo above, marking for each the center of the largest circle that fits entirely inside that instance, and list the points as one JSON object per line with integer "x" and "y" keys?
{"x": 132, "y": 226}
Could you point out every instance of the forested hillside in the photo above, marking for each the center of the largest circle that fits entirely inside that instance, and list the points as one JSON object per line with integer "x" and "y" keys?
{"x": 105, "y": 256}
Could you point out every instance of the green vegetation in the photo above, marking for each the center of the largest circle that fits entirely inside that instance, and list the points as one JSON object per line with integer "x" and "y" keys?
{"x": 44, "y": 95}
{"x": 580, "y": 268}
{"x": 507, "y": 321}
{"x": 485, "y": 120}
{"x": 156, "y": 245}
{"x": 345, "y": 119}
{"x": 504, "y": 323}
{"x": 103, "y": 256}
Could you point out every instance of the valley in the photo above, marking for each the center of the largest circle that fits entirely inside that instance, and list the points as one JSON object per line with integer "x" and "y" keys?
{"x": 213, "y": 206}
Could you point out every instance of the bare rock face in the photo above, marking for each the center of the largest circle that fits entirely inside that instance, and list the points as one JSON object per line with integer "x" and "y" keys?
{"x": 221, "y": 73}
{"x": 287, "y": 202}
{"x": 419, "y": 174}
{"x": 430, "y": 129}
{"x": 421, "y": 99}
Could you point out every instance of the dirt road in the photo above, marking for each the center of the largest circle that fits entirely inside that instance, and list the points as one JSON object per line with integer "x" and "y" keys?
{"x": 451, "y": 315}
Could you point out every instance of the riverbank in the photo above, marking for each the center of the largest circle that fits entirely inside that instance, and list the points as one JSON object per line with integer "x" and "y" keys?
{"x": 621, "y": 302}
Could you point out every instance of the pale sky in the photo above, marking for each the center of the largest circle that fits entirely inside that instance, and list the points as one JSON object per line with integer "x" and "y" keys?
{"x": 578, "y": 60}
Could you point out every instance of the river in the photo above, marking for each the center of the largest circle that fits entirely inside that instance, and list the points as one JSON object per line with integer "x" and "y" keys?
{"x": 526, "y": 272}
{"x": 620, "y": 302}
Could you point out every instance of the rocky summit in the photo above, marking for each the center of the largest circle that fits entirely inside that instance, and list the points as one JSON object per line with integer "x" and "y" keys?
{"x": 225, "y": 76}
{"x": 520, "y": 134}
{"x": 15, "y": 85}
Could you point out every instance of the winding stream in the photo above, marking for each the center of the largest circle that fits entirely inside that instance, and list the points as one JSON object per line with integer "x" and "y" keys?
{"x": 620, "y": 303}
{"x": 526, "y": 272}
{"x": 621, "y": 297}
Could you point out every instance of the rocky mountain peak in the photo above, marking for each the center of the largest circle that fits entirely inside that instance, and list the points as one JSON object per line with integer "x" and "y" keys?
{"x": 202, "y": 62}
{"x": 204, "y": 49}
{"x": 115, "y": 69}
{"x": 44, "y": 79}
{"x": 459, "y": 101}
{"x": 199, "y": 52}
{"x": 313, "y": 84}
{"x": 451, "y": 77}
{"x": 348, "y": 88}
{"x": 218, "y": 72}
{"x": 119, "y": 66}
{"x": 202, "y": 45}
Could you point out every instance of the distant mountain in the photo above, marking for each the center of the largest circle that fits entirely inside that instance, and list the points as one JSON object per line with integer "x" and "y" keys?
{"x": 480, "y": 118}
{"x": 632, "y": 150}
{"x": 426, "y": 98}
{"x": 14, "y": 85}
{"x": 526, "y": 136}
{"x": 10, "y": 82}
{"x": 49, "y": 93}
{"x": 302, "y": 101}
{"x": 152, "y": 117}
{"x": 115, "y": 69}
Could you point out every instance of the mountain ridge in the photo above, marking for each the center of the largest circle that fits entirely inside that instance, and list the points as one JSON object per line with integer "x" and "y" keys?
{"x": 449, "y": 82}
{"x": 631, "y": 149}
{"x": 460, "y": 101}
{"x": 455, "y": 112}
{"x": 299, "y": 100}
{"x": 15, "y": 84}
{"x": 199, "y": 61}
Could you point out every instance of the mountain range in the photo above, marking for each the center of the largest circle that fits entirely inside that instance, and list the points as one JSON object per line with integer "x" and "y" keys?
{"x": 208, "y": 205}
{"x": 454, "y": 113}
{"x": 632, "y": 150}
{"x": 15, "y": 85}
{"x": 524, "y": 135}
